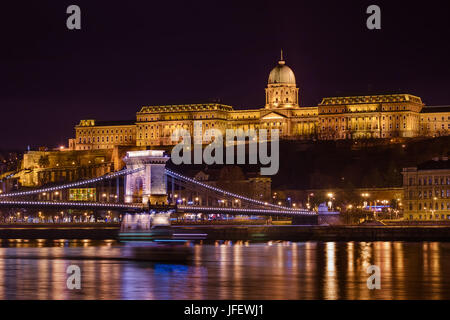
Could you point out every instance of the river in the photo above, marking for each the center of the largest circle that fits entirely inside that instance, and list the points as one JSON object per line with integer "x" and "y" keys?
{"x": 274, "y": 270}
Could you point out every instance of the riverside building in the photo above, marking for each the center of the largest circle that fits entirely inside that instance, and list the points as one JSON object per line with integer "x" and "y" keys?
{"x": 427, "y": 191}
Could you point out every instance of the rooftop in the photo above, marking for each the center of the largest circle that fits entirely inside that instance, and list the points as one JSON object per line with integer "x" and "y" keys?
{"x": 371, "y": 99}
{"x": 432, "y": 109}
{"x": 92, "y": 123}
{"x": 186, "y": 107}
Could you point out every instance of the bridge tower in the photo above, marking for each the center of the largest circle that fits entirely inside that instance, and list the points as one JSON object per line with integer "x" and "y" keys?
{"x": 149, "y": 184}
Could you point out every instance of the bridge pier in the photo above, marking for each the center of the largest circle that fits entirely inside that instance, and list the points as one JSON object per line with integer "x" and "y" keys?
{"x": 150, "y": 184}
{"x": 172, "y": 199}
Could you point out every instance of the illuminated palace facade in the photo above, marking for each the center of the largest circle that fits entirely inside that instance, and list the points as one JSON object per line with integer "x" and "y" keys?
{"x": 353, "y": 117}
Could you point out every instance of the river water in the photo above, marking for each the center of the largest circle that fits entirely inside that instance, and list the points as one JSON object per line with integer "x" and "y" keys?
{"x": 278, "y": 270}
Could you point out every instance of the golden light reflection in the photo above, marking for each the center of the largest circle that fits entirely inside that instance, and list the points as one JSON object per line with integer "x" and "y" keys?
{"x": 330, "y": 282}
{"x": 223, "y": 271}
{"x": 2, "y": 274}
{"x": 351, "y": 279}
{"x": 364, "y": 260}
{"x": 398, "y": 268}
{"x": 238, "y": 265}
{"x": 310, "y": 268}
{"x": 242, "y": 270}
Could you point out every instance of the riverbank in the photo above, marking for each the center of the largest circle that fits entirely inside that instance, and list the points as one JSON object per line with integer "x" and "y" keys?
{"x": 322, "y": 233}
{"x": 51, "y": 231}
{"x": 102, "y": 231}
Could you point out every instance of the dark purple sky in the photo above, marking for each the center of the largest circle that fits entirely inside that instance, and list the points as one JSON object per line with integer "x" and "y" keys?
{"x": 134, "y": 53}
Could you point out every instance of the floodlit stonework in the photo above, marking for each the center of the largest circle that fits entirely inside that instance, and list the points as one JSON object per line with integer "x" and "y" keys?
{"x": 353, "y": 117}
{"x": 427, "y": 191}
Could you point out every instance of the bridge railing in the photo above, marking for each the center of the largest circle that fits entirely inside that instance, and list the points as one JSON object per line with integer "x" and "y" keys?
{"x": 253, "y": 204}
{"x": 259, "y": 203}
{"x": 72, "y": 184}
{"x": 70, "y": 204}
{"x": 243, "y": 211}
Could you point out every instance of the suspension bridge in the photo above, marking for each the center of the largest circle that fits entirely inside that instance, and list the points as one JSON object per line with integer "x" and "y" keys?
{"x": 144, "y": 185}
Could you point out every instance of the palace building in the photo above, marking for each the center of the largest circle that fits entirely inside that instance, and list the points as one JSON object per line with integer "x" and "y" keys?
{"x": 353, "y": 117}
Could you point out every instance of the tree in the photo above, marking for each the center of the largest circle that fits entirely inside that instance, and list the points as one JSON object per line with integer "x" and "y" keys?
{"x": 329, "y": 133}
{"x": 425, "y": 131}
{"x": 231, "y": 173}
{"x": 43, "y": 161}
{"x": 372, "y": 179}
{"x": 393, "y": 177}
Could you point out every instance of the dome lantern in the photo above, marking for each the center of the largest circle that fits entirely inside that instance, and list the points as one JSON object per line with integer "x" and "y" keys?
{"x": 281, "y": 74}
{"x": 281, "y": 91}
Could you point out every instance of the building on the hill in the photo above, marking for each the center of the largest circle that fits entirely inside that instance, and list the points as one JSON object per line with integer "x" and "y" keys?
{"x": 427, "y": 191}
{"x": 381, "y": 116}
{"x": 435, "y": 121}
{"x": 92, "y": 135}
{"x": 354, "y": 117}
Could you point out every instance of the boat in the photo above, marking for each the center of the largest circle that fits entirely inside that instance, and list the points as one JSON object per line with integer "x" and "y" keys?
{"x": 146, "y": 227}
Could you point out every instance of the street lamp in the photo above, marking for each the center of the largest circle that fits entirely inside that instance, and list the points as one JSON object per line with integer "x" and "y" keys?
{"x": 330, "y": 197}
{"x": 308, "y": 205}
{"x": 365, "y": 196}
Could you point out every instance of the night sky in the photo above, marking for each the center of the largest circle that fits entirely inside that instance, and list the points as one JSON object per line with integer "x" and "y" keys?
{"x": 134, "y": 53}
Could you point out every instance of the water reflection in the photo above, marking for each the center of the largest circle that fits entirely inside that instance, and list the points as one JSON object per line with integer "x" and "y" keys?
{"x": 276, "y": 270}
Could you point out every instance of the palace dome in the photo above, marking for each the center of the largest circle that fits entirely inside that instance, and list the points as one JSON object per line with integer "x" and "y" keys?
{"x": 281, "y": 74}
